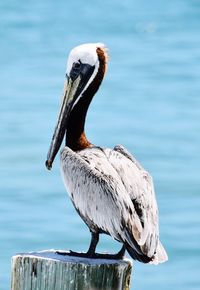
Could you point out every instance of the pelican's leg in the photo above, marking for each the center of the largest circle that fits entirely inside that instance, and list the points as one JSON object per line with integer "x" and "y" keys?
{"x": 91, "y": 251}
{"x": 93, "y": 244}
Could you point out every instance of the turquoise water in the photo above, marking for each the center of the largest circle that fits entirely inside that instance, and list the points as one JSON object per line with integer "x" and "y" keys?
{"x": 149, "y": 102}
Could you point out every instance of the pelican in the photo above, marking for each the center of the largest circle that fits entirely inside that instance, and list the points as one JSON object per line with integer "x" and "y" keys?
{"x": 109, "y": 189}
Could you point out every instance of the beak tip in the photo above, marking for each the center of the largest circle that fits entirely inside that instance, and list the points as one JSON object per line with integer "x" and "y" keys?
{"x": 48, "y": 164}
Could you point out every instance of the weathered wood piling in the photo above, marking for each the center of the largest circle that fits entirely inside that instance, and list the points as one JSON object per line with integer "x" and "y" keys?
{"x": 47, "y": 270}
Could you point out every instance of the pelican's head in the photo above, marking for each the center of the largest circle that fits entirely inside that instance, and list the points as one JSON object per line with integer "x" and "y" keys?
{"x": 82, "y": 69}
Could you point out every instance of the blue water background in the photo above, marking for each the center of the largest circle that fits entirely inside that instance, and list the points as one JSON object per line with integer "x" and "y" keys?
{"x": 149, "y": 102}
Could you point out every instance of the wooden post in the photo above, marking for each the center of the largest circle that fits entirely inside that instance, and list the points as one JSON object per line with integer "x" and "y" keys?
{"x": 48, "y": 270}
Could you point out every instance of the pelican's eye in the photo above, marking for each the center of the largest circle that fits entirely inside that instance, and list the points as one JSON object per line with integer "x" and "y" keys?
{"x": 76, "y": 65}
{"x": 76, "y": 69}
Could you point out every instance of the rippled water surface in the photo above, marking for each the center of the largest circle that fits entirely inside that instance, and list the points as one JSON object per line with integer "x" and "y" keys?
{"x": 149, "y": 102}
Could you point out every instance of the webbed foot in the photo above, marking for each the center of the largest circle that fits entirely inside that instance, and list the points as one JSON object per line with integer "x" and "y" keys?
{"x": 93, "y": 255}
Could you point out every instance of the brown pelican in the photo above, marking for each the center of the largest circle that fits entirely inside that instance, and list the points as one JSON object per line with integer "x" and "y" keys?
{"x": 110, "y": 190}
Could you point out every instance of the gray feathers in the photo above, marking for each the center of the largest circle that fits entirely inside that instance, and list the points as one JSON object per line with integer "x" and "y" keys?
{"x": 114, "y": 194}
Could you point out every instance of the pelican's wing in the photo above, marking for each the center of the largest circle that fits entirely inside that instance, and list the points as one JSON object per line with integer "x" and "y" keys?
{"x": 139, "y": 185}
{"x": 100, "y": 196}
{"x": 115, "y": 195}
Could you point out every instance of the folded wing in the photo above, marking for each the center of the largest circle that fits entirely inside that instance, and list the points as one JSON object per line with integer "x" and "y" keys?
{"x": 113, "y": 194}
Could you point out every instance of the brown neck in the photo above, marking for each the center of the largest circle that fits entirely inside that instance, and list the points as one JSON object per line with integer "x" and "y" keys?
{"x": 75, "y": 137}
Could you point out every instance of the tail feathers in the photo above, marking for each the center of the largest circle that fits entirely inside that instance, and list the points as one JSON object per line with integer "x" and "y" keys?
{"x": 159, "y": 257}
{"x": 139, "y": 256}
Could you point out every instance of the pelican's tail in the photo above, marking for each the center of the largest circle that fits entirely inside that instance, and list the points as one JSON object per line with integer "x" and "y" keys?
{"x": 137, "y": 254}
{"x": 160, "y": 256}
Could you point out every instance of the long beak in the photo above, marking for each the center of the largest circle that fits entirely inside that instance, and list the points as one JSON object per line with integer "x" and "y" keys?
{"x": 70, "y": 94}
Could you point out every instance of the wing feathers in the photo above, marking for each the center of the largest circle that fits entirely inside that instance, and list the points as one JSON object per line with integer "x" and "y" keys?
{"x": 113, "y": 193}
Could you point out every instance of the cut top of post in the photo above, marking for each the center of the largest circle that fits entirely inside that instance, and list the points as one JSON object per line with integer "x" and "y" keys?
{"x": 49, "y": 270}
